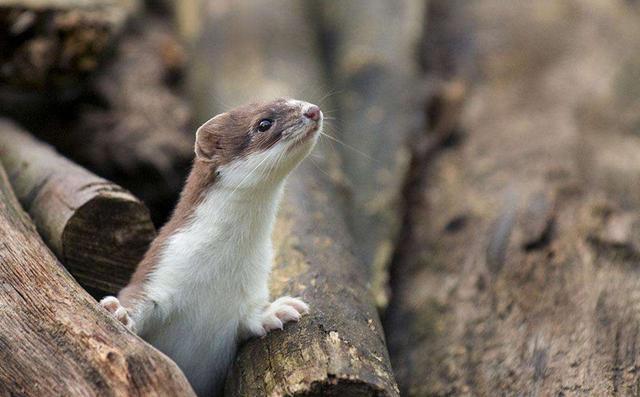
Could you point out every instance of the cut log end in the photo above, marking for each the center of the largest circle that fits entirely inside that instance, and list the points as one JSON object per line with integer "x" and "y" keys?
{"x": 297, "y": 372}
{"x": 97, "y": 229}
{"x": 104, "y": 240}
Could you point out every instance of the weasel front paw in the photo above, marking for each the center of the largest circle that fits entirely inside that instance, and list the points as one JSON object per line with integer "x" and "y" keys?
{"x": 113, "y": 306}
{"x": 283, "y": 310}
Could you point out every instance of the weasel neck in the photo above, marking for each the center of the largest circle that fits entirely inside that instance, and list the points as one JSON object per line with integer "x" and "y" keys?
{"x": 206, "y": 196}
{"x": 224, "y": 213}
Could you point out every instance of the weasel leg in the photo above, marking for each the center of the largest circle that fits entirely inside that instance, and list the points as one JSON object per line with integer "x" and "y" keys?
{"x": 281, "y": 311}
{"x": 113, "y": 306}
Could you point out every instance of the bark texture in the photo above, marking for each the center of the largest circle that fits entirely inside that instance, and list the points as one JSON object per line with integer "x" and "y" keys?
{"x": 519, "y": 271}
{"x": 54, "y": 340}
{"x": 374, "y": 81}
{"x": 54, "y": 45}
{"x": 98, "y": 79}
{"x": 98, "y": 230}
{"x": 131, "y": 126}
{"x": 338, "y": 349}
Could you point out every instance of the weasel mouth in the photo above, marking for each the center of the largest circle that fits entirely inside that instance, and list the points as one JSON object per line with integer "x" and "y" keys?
{"x": 305, "y": 136}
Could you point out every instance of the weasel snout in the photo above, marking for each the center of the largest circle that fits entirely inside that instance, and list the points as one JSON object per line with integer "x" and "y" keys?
{"x": 312, "y": 112}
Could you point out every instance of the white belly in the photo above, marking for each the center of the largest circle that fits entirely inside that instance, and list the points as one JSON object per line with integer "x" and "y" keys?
{"x": 208, "y": 279}
{"x": 201, "y": 338}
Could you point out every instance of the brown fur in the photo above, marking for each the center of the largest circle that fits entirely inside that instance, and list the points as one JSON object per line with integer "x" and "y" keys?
{"x": 202, "y": 176}
{"x": 235, "y": 134}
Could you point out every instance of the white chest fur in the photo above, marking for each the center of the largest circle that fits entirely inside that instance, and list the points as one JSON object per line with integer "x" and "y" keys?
{"x": 211, "y": 273}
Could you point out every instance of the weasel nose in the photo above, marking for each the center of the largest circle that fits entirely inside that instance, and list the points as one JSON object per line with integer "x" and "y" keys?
{"x": 312, "y": 112}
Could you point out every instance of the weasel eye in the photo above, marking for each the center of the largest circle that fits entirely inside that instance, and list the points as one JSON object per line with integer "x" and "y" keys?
{"x": 264, "y": 125}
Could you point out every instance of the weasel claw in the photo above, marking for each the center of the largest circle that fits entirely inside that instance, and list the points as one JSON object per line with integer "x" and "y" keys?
{"x": 281, "y": 311}
{"x": 119, "y": 312}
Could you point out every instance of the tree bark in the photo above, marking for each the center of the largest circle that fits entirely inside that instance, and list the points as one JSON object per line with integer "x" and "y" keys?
{"x": 54, "y": 45}
{"x": 338, "y": 349}
{"x": 98, "y": 79}
{"x": 132, "y": 125}
{"x": 375, "y": 83}
{"x": 98, "y": 230}
{"x": 518, "y": 275}
{"x": 54, "y": 340}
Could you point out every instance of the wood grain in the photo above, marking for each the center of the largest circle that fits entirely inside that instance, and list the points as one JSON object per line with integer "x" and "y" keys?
{"x": 54, "y": 340}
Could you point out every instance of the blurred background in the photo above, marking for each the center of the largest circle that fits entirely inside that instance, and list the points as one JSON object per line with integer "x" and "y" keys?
{"x": 486, "y": 156}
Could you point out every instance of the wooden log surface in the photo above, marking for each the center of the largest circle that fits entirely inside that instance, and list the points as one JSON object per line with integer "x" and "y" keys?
{"x": 338, "y": 349}
{"x": 50, "y": 47}
{"x": 132, "y": 127}
{"x": 520, "y": 273}
{"x": 98, "y": 230}
{"x": 54, "y": 340}
{"x": 375, "y": 85}
{"x": 126, "y": 119}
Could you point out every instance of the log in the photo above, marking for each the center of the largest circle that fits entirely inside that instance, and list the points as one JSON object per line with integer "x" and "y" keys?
{"x": 98, "y": 230}
{"x": 519, "y": 274}
{"x": 132, "y": 125}
{"x": 54, "y": 340}
{"x": 142, "y": 138}
{"x": 375, "y": 84}
{"x": 98, "y": 79}
{"x": 52, "y": 46}
{"x": 339, "y": 348}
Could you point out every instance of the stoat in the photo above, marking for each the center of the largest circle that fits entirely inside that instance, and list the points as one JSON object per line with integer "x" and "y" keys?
{"x": 203, "y": 285}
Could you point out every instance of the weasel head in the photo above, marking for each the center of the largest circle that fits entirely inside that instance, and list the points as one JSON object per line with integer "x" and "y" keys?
{"x": 258, "y": 144}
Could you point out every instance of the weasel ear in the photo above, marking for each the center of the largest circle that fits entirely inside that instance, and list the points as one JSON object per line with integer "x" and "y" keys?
{"x": 208, "y": 141}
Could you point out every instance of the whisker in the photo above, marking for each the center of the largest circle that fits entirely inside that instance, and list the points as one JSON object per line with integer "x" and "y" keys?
{"x": 248, "y": 175}
{"x": 320, "y": 169}
{"x": 330, "y": 94}
{"x": 348, "y": 146}
{"x": 277, "y": 162}
{"x": 329, "y": 143}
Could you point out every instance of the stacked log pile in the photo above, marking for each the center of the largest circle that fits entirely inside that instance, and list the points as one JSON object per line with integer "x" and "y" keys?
{"x": 98, "y": 79}
{"x": 83, "y": 76}
{"x": 52, "y": 47}
{"x": 484, "y": 155}
{"x": 97, "y": 229}
{"x": 54, "y": 340}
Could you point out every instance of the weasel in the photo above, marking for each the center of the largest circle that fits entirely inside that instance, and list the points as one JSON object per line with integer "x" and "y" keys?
{"x": 202, "y": 287}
